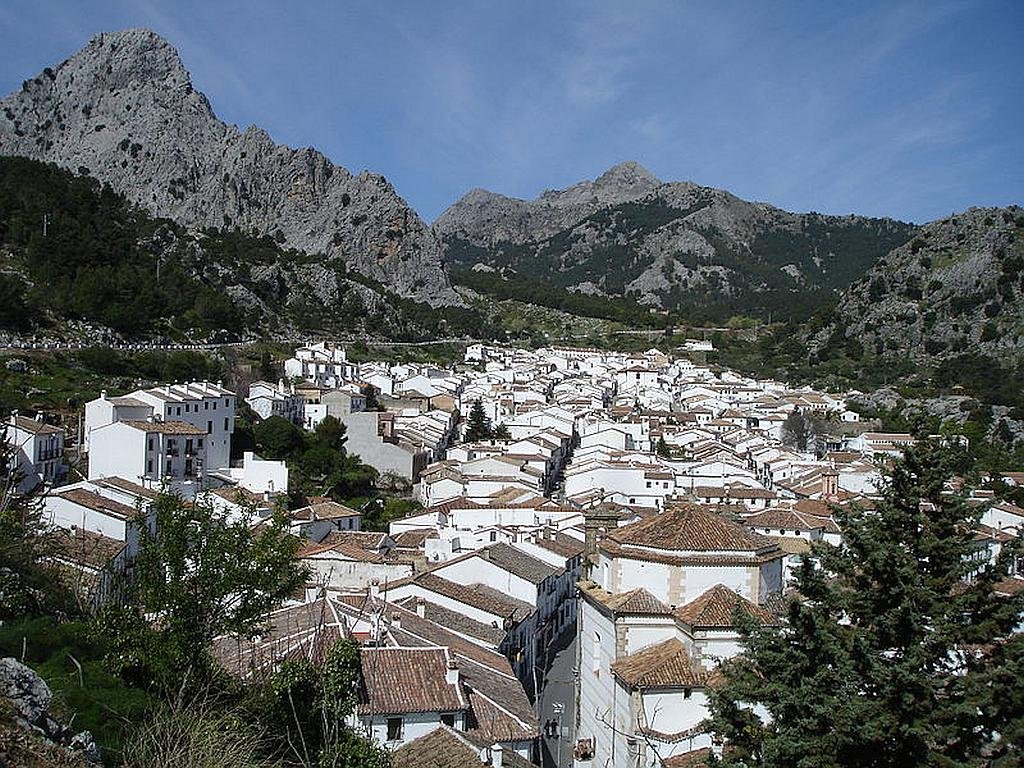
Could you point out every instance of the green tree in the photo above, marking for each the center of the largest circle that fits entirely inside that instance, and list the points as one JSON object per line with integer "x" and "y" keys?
{"x": 478, "y": 426}
{"x": 29, "y": 583}
{"x": 331, "y": 432}
{"x": 797, "y": 431}
{"x": 662, "y": 449}
{"x": 307, "y": 707}
{"x": 196, "y": 576}
{"x": 278, "y": 438}
{"x": 502, "y": 433}
{"x": 898, "y": 653}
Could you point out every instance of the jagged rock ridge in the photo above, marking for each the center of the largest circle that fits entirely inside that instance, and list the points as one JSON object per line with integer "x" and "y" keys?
{"x": 673, "y": 245}
{"x": 123, "y": 109}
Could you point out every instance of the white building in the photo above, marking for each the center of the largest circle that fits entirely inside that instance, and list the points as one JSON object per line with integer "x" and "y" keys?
{"x": 279, "y": 399}
{"x": 153, "y": 453}
{"x": 323, "y": 364}
{"x": 208, "y": 407}
{"x": 37, "y": 451}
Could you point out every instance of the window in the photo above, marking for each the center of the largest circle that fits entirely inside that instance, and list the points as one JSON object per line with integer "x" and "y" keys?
{"x": 394, "y": 729}
{"x": 199, "y": 443}
{"x": 448, "y": 719}
{"x": 188, "y": 446}
{"x": 687, "y": 693}
{"x": 648, "y": 483}
{"x": 227, "y": 402}
{"x": 596, "y": 654}
{"x": 177, "y": 411}
{"x": 149, "y": 466}
{"x": 225, "y": 425}
{"x": 206, "y": 405}
{"x": 209, "y": 427}
{"x": 149, "y": 444}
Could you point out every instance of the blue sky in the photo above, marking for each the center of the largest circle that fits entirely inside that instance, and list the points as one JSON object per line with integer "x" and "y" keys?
{"x": 904, "y": 109}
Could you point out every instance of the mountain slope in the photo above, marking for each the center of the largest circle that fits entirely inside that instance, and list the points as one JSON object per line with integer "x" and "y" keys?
{"x": 79, "y": 262}
{"x": 671, "y": 245}
{"x": 123, "y": 109}
{"x": 957, "y": 287}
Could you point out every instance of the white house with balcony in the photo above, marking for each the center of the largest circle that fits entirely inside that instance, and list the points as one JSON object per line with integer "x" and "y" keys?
{"x": 37, "y": 451}
{"x": 208, "y": 407}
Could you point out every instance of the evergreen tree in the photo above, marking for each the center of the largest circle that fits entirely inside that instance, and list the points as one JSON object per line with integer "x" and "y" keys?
{"x": 478, "y": 426}
{"x": 898, "y": 652}
{"x": 502, "y": 433}
{"x": 662, "y": 449}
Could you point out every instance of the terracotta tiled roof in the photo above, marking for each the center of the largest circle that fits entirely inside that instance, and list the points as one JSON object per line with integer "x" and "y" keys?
{"x": 35, "y": 427}
{"x": 455, "y": 621}
{"x": 562, "y": 545}
{"x": 665, "y": 665}
{"x": 477, "y": 595}
{"x": 92, "y": 500}
{"x": 441, "y": 748}
{"x": 127, "y": 486}
{"x": 715, "y": 608}
{"x": 784, "y": 519}
{"x": 691, "y": 528}
{"x": 401, "y": 680}
{"x": 87, "y": 548}
{"x": 636, "y": 602}
{"x": 306, "y": 631}
{"x": 518, "y": 563}
{"x": 414, "y": 539}
{"x": 328, "y": 510}
{"x": 165, "y": 427}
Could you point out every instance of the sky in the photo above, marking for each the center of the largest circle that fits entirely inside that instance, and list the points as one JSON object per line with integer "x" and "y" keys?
{"x": 911, "y": 110}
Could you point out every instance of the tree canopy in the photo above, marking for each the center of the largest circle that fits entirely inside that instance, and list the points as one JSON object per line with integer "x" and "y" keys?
{"x": 898, "y": 650}
{"x": 478, "y": 426}
{"x": 196, "y": 576}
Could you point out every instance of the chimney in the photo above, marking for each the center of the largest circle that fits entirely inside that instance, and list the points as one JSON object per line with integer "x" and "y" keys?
{"x": 421, "y": 609}
{"x": 396, "y": 621}
{"x": 829, "y": 483}
{"x": 103, "y": 394}
{"x": 496, "y": 755}
{"x": 374, "y": 589}
{"x": 451, "y": 674}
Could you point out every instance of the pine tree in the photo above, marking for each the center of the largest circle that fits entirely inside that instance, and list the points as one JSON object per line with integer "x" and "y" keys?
{"x": 478, "y": 426}
{"x": 502, "y": 433}
{"x": 898, "y": 651}
{"x": 662, "y": 449}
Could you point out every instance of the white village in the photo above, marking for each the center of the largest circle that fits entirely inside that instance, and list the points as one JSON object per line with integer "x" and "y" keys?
{"x": 589, "y": 530}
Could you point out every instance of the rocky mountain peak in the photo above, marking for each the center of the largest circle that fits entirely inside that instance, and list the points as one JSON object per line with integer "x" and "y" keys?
{"x": 123, "y": 109}
{"x": 627, "y": 175}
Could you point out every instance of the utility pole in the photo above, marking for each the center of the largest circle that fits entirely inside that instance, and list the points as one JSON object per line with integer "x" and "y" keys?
{"x": 46, "y": 223}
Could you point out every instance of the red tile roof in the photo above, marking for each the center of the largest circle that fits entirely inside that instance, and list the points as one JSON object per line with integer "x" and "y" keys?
{"x": 665, "y": 665}
{"x": 690, "y": 528}
{"x": 715, "y": 609}
{"x": 401, "y": 680}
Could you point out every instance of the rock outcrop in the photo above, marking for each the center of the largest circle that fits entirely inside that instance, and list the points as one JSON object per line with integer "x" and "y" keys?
{"x": 28, "y": 698}
{"x": 957, "y": 287}
{"x": 124, "y": 110}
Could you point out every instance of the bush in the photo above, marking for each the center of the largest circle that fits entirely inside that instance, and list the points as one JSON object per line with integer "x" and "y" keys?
{"x": 197, "y": 735}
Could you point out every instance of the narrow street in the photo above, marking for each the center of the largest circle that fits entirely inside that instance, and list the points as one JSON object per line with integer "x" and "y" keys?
{"x": 557, "y": 704}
